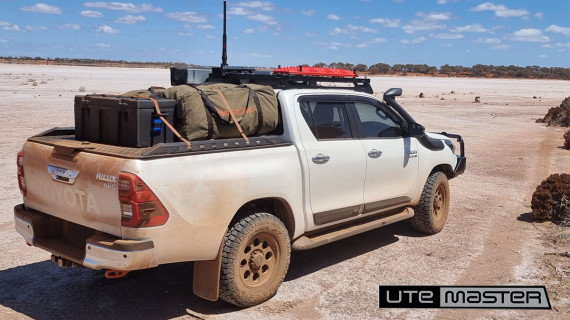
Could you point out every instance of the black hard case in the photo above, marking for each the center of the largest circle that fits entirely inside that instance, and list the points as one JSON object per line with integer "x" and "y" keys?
{"x": 122, "y": 121}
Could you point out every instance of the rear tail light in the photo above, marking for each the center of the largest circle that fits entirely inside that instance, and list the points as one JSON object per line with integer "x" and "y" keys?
{"x": 20, "y": 164}
{"x": 140, "y": 207}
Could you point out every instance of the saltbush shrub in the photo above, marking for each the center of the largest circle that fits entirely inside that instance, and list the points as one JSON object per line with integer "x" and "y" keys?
{"x": 551, "y": 200}
{"x": 558, "y": 116}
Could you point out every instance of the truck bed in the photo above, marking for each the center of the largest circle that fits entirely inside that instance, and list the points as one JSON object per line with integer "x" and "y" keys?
{"x": 64, "y": 139}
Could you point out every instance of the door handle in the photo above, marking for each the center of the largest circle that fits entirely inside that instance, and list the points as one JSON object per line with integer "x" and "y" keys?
{"x": 374, "y": 153}
{"x": 321, "y": 158}
{"x": 413, "y": 153}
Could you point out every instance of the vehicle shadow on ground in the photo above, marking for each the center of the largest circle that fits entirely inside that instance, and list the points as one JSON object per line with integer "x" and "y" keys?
{"x": 44, "y": 291}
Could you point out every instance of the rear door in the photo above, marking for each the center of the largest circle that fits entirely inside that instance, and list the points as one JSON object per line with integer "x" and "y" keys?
{"x": 335, "y": 158}
{"x": 73, "y": 185}
{"x": 391, "y": 158}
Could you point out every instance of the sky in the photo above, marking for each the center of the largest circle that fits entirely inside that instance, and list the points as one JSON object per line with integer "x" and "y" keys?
{"x": 293, "y": 32}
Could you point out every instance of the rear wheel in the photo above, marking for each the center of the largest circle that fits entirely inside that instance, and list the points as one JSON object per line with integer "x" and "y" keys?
{"x": 431, "y": 212}
{"x": 255, "y": 259}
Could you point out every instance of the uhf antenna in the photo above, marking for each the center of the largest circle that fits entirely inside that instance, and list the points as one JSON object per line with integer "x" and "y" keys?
{"x": 224, "y": 42}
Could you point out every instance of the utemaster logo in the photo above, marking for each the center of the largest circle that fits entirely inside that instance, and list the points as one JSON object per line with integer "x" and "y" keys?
{"x": 473, "y": 297}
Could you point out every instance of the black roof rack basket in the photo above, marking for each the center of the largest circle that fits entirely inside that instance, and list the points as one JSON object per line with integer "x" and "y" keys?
{"x": 244, "y": 75}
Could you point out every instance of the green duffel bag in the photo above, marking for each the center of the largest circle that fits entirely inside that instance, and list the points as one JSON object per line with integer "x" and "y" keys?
{"x": 145, "y": 93}
{"x": 201, "y": 113}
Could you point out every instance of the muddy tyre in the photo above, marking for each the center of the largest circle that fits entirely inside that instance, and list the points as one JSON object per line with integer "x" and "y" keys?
{"x": 255, "y": 259}
{"x": 431, "y": 212}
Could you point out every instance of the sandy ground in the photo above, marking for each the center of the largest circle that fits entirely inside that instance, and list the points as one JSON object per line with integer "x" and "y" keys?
{"x": 488, "y": 238}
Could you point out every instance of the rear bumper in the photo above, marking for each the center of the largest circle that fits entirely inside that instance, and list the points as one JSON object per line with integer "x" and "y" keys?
{"x": 82, "y": 245}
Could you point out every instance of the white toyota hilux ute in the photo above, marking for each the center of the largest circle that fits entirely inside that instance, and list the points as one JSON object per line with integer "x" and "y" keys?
{"x": 342, "y": 162}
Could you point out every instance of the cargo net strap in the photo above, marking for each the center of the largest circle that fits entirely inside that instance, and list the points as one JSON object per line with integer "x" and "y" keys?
{"x": 238, "y": 126}
{"x": 176, "y": 133}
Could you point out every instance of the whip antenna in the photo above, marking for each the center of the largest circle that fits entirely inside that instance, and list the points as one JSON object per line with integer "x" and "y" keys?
{"x": 224, "y": 42}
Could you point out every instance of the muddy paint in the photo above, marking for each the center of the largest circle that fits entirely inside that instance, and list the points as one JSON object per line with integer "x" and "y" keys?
{"x": 92, "y": 200}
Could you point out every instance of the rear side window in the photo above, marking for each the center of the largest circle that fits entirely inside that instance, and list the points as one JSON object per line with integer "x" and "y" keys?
{"x": 327, "y": 120}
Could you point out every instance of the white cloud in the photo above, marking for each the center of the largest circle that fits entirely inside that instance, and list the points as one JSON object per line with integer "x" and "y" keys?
{"x": 332, "y": 16}
{"x": 421, "y": 25}
{"x": 238, "y": 12}
{"x": 528, "y": 35}
{"x": 489, "y": 40}
{"x": 249, "y": 31}
{"x": 351, "y": 29}
{"x": 103, "y": 45}
{"x": 539, "y": 15}
{"x": 91, "y": 14}
{"x": 542, "y": 56}
{"x": 563, "y": 45}
{"x": 206, "y": 26}
{"x": 447, "y": 36}
{"x": 368, "y": 43}
{"x": 470, "y": 28}
{"x": 308, "y": 34}
{"x": 413, "y": 41}
{"x": 557, "y": 29}
{"x": 70, "y": 26}
{"x": 500, "y": 10}
{"x": 263, "y": 5}
{"x": 390, "y": 23}
{"x": 36, "y": 28}
{"x": 130, "y": 19}
{"x": 108, "y": 30}
{"x": 441, "y": 1}
{"x": 308, "y": 12}
{"x": 185, "y": 34}
{"x": 7, "y": 26}
{"x": 501, "y": 47}
{"x": 262, "y": 18}
{"x": 42, "y": 8}
{"x": 123, "y": 6}
{"x": 333, "y": 45}
{"x": 187, "y": 16}
{"x": 435, "y": 16}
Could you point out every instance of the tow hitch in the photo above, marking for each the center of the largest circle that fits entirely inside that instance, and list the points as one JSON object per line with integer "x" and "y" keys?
{"x": 62, "y": 262}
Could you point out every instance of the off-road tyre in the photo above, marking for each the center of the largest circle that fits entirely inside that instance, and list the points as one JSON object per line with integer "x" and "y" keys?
{"x": 255, "y": 258}
{"x": 431, "y": 212}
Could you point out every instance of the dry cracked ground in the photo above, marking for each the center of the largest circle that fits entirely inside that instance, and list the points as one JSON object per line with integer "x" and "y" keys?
{"x": 488, "y": 240}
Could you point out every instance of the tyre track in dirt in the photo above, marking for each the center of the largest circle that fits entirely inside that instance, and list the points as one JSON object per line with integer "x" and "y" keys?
{"x": 511, "y": 237}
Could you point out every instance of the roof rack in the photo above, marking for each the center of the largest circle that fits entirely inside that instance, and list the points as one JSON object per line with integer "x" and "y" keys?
{"x": 245, "y": 75}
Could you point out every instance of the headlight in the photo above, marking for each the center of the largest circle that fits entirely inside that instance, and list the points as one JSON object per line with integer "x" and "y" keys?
{"x": 450, "y": 145}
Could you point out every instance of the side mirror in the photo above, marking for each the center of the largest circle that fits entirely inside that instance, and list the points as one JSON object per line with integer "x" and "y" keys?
{"x": 415, "y": 129}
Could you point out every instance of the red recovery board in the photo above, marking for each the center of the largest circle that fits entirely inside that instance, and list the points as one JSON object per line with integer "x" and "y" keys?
{"x": 315, "y": 71}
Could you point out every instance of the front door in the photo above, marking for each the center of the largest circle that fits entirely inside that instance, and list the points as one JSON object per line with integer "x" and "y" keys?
{"x": 391, "y": 159}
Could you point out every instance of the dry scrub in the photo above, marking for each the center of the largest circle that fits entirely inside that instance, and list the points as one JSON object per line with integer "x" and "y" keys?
{"x": 551, "y": 200}
{"x": 558, "y": 116}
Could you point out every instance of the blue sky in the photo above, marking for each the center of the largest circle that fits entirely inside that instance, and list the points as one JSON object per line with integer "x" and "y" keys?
{"x": 269, "y": 33}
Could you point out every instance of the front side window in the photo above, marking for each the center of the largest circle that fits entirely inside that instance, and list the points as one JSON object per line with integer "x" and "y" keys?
{"x": 327, "y": 120}
{"x": 376, "y": 123}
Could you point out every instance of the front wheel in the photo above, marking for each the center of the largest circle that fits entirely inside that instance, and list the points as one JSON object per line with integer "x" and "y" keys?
{"x": 255, "y": 259}
{"x": 431, "y": 212}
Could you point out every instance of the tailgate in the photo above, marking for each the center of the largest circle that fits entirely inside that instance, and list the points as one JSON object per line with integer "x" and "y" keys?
{"x": 74, "y": 185}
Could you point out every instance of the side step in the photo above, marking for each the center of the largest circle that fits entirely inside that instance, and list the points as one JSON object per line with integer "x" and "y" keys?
{"x": 313, "y": 241}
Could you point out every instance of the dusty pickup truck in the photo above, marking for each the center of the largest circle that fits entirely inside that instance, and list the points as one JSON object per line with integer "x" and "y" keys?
{"x": 341, "y": 162}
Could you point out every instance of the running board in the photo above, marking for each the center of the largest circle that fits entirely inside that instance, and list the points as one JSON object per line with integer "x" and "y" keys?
{"x": 310, "y": 242}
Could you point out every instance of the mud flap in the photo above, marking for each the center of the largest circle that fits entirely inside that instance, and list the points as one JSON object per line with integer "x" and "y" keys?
{"x": 206, "y": 279}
